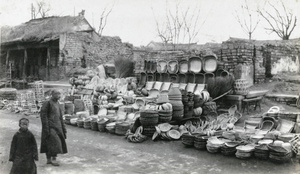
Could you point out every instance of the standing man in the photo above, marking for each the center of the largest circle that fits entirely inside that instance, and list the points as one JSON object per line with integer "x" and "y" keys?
{"x": 53, "y": 129}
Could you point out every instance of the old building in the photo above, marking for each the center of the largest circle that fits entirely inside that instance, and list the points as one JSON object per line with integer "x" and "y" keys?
{"x": 49, "y": 48}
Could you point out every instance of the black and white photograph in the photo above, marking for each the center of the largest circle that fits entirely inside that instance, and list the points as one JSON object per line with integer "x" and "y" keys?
{"x": 150, "y": 87}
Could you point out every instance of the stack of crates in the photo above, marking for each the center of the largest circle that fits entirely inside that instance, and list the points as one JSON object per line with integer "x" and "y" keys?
{"x": 39, "y": 93}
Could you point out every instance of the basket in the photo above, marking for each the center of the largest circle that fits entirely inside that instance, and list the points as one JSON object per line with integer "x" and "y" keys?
{"x": 161, "y": 66}
{"x": 241, "y": 87}
{"x": 94, "y": 125}
{"x": 148, "y": 118}
{"x": 212, "y": 149}
{"x": 183, "y": 66}
{"x": 102, "y": 125}
{"x": 172, "y": 66}
{"x": 195, "y": 65}
{"x": 187, "y": 139}
{"x": 148, "y": 130}
{"x": 121, "y": 128}
{"x": 164, "y": 116}
{"x": 209, "y": 107}
{"x": 80, "y": 123}
{"x": 87, "y": 124}
{"x": 210, "y": 63}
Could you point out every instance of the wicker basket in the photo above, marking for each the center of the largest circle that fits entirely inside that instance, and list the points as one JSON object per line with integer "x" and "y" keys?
{"x": 101, "y": 126}
{"x": 187, "y": 139}
{"x": 149, "y": 118}
{"x": 121, "y": 128}
{"x": 209, "y": 107}
{"x": 94, "y": 125}
{"x": 241, "y": 87}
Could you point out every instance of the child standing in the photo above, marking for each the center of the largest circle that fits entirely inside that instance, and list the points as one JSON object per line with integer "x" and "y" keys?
{"x": 23, "y": 150}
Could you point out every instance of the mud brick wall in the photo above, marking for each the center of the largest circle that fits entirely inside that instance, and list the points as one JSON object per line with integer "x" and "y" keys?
{"x": 284, "y": 56}
{"x": 79, "y": 48}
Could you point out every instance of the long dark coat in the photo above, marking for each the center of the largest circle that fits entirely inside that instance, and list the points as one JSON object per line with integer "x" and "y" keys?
{"x": 53, "y": 129}
{"x": 23, "y": 152}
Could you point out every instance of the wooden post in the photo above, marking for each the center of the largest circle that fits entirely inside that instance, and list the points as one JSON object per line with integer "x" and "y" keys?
{"x": 25, "y": 63}
{"x": 7, "y": 58}
{"x": 48, "y": 63}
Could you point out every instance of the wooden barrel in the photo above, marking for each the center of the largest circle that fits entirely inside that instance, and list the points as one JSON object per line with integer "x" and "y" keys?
{"x": 241, "y": 87}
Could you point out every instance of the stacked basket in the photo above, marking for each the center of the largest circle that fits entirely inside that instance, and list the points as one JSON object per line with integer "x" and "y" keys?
{"x": 279, "y": 154}
{"x": 244, "y": 152}
{"x": 148, "y": 119}
{"x": 176, "y": 101}
{"x": 229, "y": 148}
{"x": 261, "y": 152}
{"x": 188, "y": 102}
{"x": 200, "y": 142}
{"x": 94, "y": 125}
{"x": 121, "y": 128}
{"x": 87, "y": 124}
{"x": 187, "y": 139}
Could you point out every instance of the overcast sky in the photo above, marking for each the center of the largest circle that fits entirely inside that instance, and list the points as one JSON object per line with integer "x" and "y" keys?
{"x": 134, "y": 20}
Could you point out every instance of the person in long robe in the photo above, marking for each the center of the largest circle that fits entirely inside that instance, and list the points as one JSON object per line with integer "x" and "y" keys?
{"x": 53, "y": 129}
{"x": 23, "y": 150}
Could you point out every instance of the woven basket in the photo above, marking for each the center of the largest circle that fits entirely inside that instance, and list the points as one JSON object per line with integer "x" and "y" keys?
{"x": 148, "y": 118}
{"x": 80, "y": 123}
{"x": 101, "y": 126}
{"x": 164, "y": 117}
{"x": 241, "y": 87}
{"x": 148, "y": 130}
{"x": 187, "y": 139}
{"x": 209, "y": 107}
{"x": 94, "y": 125}
{"x": 121, "y": 128}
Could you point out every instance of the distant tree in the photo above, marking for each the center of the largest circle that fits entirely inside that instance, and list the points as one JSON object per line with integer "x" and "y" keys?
{"x": 248, "y": 19}
{"x": 280, "y": 19}
{"x": 40, "y": 9}
{"x": 181, "y": 25}
{"x": 103, "y": 19}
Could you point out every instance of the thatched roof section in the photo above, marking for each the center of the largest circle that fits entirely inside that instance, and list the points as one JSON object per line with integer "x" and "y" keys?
{"x": 44, "y": 29}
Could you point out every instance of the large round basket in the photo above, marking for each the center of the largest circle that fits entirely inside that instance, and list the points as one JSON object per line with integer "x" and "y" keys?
{"x": 148, "y": 117}
{"x": 164, "y": 116}
{"x": 148, "y": 131}
{"x": 241, "y": 87}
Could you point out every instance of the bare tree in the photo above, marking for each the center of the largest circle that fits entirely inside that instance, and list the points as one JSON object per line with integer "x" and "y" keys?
{"x": 281, "y": 21}
{"x": 40, "y": 9}
{"x": 246, "y": 20}
{"x": 180, "y": 25}
{"x": 103, "y": 19}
